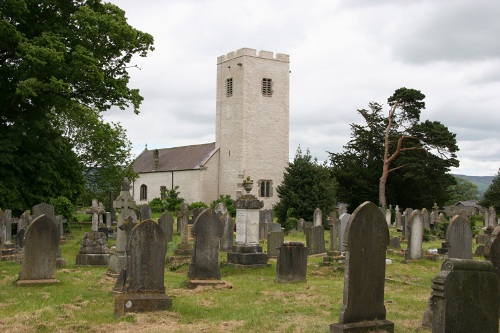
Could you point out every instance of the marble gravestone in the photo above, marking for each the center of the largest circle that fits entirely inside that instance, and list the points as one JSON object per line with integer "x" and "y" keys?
{"x": 459, "y": 238}
{"x": 144, "y": 288}
{"x": 415, "y": 237}
{"x": 40, "y": 252}
{"x": 366, "y": 240}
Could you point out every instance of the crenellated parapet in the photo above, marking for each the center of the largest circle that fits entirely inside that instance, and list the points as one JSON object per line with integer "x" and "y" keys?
{"x": 253, "y": 53}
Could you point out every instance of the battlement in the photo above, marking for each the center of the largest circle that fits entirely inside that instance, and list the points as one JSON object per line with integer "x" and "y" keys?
{"x": 252, "y": 53}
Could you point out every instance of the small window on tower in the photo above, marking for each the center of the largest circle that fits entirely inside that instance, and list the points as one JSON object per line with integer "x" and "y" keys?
{"x": 267, "y": 87}
{"x": 229, "y": 87}
{"x": 265, "y": 188}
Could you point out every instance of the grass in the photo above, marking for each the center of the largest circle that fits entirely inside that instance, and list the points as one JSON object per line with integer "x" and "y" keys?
{"x": 251, "y": 302}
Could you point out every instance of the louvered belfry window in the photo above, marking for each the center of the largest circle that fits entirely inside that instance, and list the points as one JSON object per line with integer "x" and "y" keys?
{"x": 267, "y": 87}
{"x": 229, "y": 87}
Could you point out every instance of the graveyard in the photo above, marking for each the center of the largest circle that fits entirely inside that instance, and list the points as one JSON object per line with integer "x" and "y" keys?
{"x": 249, "y": 300}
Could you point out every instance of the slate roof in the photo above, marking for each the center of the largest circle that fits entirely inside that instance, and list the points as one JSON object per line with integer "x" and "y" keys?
{"x": 469, "y": 203}
{"x": 175, "y": 159}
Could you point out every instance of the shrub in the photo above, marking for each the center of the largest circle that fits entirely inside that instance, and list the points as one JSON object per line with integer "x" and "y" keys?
{"x": 197, "y": 204}
{"x": 157, "y": 205}
{"x": 228, "y": 201}
{"x": 64, "y": 207}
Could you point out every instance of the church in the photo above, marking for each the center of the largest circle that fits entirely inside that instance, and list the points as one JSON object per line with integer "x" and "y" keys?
{"x": 251, "y": 137}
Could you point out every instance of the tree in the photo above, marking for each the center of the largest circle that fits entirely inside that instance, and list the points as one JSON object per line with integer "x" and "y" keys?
{"x": 173, "y": 199}
{"x": 492, "y": 195}
{"x": 399, "y": 146}
{"x": 404, "y": 132}
{"x": 463, "y": 190}
{"x": 62, "y": 63}
{"x": 306, "y": 185}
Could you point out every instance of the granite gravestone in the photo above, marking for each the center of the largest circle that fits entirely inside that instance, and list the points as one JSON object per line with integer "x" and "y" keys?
{"x": 40, "y": 252}
{"x": 367, "y": 237}
{"x": 144, "y": 289}
{"x": 465, "y": 297}
{"x": 315, "y": 239}
{"x": 207, "y": 231}
{"x": 459, "y": 238}
{"x": 274, "y": 240}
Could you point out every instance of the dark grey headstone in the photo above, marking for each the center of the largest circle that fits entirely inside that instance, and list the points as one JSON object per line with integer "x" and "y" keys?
{"x": 207, "y": 231}
{"x": 465, "y": 297}
{"x": 291, "y": 264}
{"x": 274, "y": 227}
{"x": 43, "y": 209}
{"x": 274, "y": 240}
{"x": 166, "y": 223}
{"x": 367, "y": 237}
{"x": 40, "y": 252}
{"x": 459, "y": 238}
{"x": 395, "y": 243}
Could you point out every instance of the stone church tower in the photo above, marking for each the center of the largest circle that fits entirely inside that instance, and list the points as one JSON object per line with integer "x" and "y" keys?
{"x": 252, "y": 122}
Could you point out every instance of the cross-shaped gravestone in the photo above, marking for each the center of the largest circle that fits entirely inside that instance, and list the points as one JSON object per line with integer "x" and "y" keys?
{"x": 127, "y": 226}
{"x": 95, "y": 218}
{"x": 183, "y": 218}
{"x": 125, "y": 204}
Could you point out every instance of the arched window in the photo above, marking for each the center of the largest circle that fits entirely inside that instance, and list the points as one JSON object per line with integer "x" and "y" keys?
{"x": 265, "y": 188}
{"x": 144, "y": 192}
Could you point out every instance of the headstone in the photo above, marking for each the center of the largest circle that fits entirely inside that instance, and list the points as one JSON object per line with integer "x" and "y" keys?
{"x": 145, "y": 212}
{"x": 397, "y": 218}
{"x": 184, "y": 249}
{"x": 101, "y": 211}
{"x": 492, "y": 250}
{"x": 125, "y": 206}
{"x": 144, "y": 289}
{"x": 342, "y": 210}
{"x": 459, "y": 238}
{"x": 93, "y": 250}
{"x": 300, "y": 225}
{"x": 166, "y": 223}
{"x": 406, "y": 229}
{"x": 274, "y": 240}
{"x": 227, "y": 239}
{"x": 395, "y": 243}
{"x": 318, "y": 217}
{"x": 426, "y": 217}
{"x": 291, "y": 264}
{"x": 344, "y": 218}
{"x": 207, "y": 231}
{"x": 315, "y": 239}
{"x": 388, "y": 216}
{"x": 247, "y": 252}
{"x": 367, "y": 237}
{"x": 492, "y": 217}
{"x": 334, "y": 224}
{"x": 40, "y": 252}
{"x": 416, "y": 235}
{"x": 48, "y": 210}
{"x": 465, "y": 297}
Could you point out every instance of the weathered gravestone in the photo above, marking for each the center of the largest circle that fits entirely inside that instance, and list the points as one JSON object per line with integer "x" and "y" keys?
{"x": 344, "y": 218}
{"x": 300, "y": 225}
{"x": 459, "y": 238}
{"x": 334, "y": 224}
{"x": 145, "y": 212}
{"x": 315, "y": 239}
{"x": 48, "y": 210}
{"x": 265, "y": 219}
{"x": 227, "y": 239}
{"x": 397, "y": 218}
{"x": 184, "y": 250}
{"x": 388, "y": 216}
{"x": 247, "y": 252}
{"x": 318, "y": 217}
{"x": 166, "y": 223}
{"x": 125, "y": 206}
{"x": 40, "y": 252}
{"x": 144, "y": 288}
{"x": 274, "y": 240}
{"x": 204, "y": 268}
{"x": 492, "y": 250}
{"x": 415, "y": 237}
{"x": 93, "y": 250}
{"x": 291, "y": 264}
{"x": 465, "y": 297}
{"x": 426, "y": 217}
{"x": 406, "y": 222}
{"x": 367, "y": 237}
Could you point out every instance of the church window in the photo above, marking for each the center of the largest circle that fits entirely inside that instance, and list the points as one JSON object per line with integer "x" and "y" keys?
{"x": 229, "y": 87}
{"x": 163, "y": 192}
{"x": 265, "y": 188}
{"x": 144, "y": 192}
{"x": 267, "y": 87}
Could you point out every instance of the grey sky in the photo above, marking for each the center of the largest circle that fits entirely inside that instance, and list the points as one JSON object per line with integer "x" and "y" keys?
{"x": 343, "y": 54}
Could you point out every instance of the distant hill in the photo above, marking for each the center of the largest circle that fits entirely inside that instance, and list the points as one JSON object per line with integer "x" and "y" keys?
{"x": 482, "y": 182}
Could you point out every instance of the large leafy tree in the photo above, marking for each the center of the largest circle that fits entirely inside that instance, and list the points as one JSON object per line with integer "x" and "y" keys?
{"x": 492, "y": 195}
{"x": 306, "y": 185}
{"x": 417, "y": 155}
{"x": 463, "y": 190}
{"x": 62, "y": 63}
